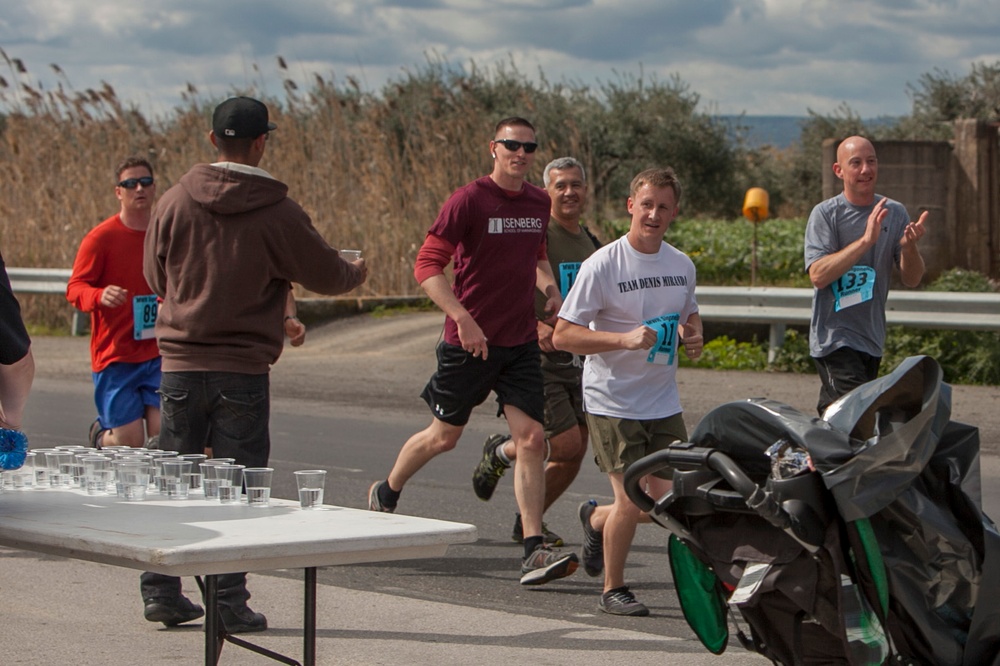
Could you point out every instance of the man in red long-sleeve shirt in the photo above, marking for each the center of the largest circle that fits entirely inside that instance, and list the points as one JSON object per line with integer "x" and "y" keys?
{"x": 107, "y": 282}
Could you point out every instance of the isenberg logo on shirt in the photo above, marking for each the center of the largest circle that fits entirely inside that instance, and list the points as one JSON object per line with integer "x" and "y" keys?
{"x": 515, "y": 225}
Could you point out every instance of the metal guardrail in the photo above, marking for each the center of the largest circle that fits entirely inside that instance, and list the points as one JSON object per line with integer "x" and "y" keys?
{"x": 922, "y": 309}
{"x": 46, "y": 281}
{"x": 777, "y": 307}
{"x": 39, "y": 280}
{"x": 782, "y": 306}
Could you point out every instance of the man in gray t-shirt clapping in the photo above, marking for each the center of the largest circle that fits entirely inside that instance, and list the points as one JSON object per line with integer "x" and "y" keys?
{"x": 852, "y": 242}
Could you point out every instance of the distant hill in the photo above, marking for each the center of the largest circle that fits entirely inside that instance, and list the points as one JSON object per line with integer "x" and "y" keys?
{"x": 783, "y": 131}
{"x": 777, "y": 131}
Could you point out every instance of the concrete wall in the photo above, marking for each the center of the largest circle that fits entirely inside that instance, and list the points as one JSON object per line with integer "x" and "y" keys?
{"x": 975, "y": 189}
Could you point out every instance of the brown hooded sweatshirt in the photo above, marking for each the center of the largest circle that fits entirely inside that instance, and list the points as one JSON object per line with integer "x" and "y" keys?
{"x": 221, "y": 250}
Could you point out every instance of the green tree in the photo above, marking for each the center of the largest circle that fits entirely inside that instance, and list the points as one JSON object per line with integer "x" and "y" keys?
{"x": 940, "y": 98}
{"x": 646, "y": 123}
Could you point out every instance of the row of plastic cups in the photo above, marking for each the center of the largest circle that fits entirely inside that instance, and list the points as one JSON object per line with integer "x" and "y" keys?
{"x": 180, "y": 477}
{"x": 134, "y": 473}
{"x": 97, "y": 470}
{"x": 225, "y": 481}
{"x": 57, "y": 467}
{"x": 220, "y": 479}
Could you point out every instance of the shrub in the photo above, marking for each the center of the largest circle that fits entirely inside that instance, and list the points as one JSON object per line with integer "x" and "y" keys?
{"x": 724, "y": 353}
{"x": 793, "y": 356}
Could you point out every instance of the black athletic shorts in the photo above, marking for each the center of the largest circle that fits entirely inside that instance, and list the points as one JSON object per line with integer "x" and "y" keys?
{"x": 462, "y": 382}
{"x": 842, "y": 370}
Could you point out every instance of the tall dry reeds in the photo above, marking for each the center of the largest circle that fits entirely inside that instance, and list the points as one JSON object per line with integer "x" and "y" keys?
{"x": 367, "y": 180}
{"x": 372, "y": 169}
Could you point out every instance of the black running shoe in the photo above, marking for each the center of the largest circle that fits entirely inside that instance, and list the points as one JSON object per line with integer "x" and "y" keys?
{"x": 489, "y": 470}
{"x": 593, "y": 541}
{"x": 620, "y": 601}
{"x": 545, "y": 565}
{"x": 550, "y": 537}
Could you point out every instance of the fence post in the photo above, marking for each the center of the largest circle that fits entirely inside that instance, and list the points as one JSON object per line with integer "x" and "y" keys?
{"x": 775, "y": 340}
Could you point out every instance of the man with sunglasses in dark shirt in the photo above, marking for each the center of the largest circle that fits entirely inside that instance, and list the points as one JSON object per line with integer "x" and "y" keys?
{"x": 493, "y": 230}
{"x": 107, "y": 282}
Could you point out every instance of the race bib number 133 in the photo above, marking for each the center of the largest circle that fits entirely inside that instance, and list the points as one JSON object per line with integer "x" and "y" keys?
{"x": 855, "y": 286}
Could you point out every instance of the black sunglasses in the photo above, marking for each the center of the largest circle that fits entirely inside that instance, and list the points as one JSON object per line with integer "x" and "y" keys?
{"x": 514, "y": 146}
{"x": 132, "y": 183}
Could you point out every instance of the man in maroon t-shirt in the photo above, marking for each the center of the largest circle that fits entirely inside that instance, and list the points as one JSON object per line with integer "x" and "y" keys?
{"x": 493, "y": 229}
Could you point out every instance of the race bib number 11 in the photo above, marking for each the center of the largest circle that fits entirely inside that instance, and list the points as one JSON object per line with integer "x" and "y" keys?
{"x": 665, "y": 348}
{"x": 568, "y": 271}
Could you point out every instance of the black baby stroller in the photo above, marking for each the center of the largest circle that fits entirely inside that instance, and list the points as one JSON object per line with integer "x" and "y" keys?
{"x": 855, "y": 539}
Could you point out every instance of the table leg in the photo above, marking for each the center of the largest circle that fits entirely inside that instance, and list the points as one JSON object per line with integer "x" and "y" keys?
{"x": 216, "y": 635}
{"x": 309, "y": 623}
{"x": 210, "y": 595}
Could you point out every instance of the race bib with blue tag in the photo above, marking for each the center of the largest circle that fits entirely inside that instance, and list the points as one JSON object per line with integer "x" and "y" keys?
{"x": 144, "y": 310}
{"x": 665, "y": 348}
{"x": 855, "y": 286}
{"x": 568, "y": 271}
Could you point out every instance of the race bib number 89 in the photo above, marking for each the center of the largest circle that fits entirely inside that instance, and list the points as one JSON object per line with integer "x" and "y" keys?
{"x": 144, "y": 309}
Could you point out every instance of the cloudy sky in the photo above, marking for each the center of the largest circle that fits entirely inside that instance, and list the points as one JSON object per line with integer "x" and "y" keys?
{"x": 760, "y": 57}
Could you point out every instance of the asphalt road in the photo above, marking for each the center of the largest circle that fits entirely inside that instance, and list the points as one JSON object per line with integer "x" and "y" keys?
{"x": 348, "y": 399}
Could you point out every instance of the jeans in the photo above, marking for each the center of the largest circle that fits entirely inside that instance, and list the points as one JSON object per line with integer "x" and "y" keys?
{"x": 229, "y": 412}
{"x": 226, "y": 411}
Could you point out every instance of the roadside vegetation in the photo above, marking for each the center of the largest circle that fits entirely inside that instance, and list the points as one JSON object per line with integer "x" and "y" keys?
{"x": 373, "y": 167}
{"x": 967, "y": 357}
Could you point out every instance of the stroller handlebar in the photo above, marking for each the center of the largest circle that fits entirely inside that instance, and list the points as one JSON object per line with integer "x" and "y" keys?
{"x": 685, "y": 456}
{"x": 688, "y": 457}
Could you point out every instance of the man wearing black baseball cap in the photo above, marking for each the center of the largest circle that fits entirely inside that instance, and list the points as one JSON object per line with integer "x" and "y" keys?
{"x": 221, "y": 251}
{"x": 241, "y": 118}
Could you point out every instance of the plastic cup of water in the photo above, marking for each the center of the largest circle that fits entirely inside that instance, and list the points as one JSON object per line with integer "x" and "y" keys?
{"x": 195, "y": 475}
{"x": 258, "y": 484}
{"x": 134, "y": 478}
{"x": 175, "y": 478}
{"x": 230, "y": 478}
{"x": 310, "y": 483}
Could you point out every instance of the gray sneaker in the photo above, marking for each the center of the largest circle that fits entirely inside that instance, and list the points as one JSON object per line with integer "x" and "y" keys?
{"x": 489, "y": 470}
{"x": 374, "y": 503}
{"x": 545, "y": 565}
{"x": 620, "y": 601}
{"x": 593, "y": 541}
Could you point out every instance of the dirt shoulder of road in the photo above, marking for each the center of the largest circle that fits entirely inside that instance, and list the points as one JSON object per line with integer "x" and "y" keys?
{"x": 368, "y": 362}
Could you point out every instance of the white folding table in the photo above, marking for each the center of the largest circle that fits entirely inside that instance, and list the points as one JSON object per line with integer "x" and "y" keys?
{"x": 196, "y": 537}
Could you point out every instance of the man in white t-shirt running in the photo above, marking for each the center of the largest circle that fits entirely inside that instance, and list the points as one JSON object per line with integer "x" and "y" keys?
{"x": 630, "y": 311}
